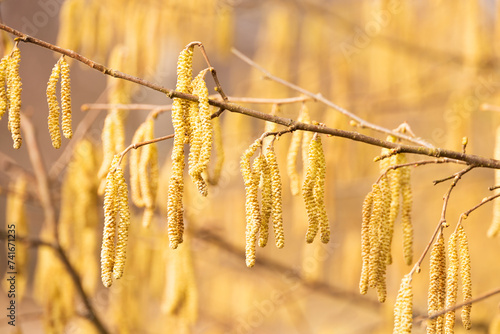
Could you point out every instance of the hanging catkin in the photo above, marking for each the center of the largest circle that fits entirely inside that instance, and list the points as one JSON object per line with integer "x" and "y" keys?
{"x": 149, "y": 173}
{"x": 277, "y": 211}
{"x": 403, "y": 317}
{"x": 65, "y": 99}
{"x": 437, "y": 285}
{"x": 251, "y": 180}
{"x": 180, "y": 112}
{"x": 313, "y": 191}
{"x": 134, "y": 157}
{"x": 267, "y": 201}
{"x": 121, "y": 204}
{"x": 14, "y": 88}
{"x": 465, "y": 275}
{"x": 300, "y": 139}
{"x": 54, "y": 109}
{"x": 213, "y": 178}
{"x": 365, "y": 241}
{"x": 451, "y": 282}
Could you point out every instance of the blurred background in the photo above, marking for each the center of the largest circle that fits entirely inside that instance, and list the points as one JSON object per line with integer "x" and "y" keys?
{"x": 429, "y": 63}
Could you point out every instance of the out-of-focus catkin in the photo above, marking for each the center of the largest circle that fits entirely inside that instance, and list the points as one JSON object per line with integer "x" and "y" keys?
{"x": 66, "y": 98}
{"x": 277, "y": 211}
{"x": 54, "y": 109}
{"x": 214, "y": 177}
{"x": 403, "y": 316}
{"x": 14, "y": 88}
{"x": 465, "y": 275}
{"x": 451, "y": 282}
{"x": 494, "y": 228}
{"x": 437, "y": 285}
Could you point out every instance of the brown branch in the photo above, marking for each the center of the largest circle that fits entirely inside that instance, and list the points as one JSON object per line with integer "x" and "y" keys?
{"x": 457, "y": 306}
{"x": 433, "y": 152}
{"x": 360, "y": 122}
{"x": 137, "y": 145}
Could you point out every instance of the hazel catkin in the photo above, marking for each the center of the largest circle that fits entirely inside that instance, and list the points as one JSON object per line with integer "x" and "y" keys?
{"x": 365, "y": 242}
{"x": 437, "y": 285}
{"x": 14, "y": 88}
{"x": 277, "y": 211}
{"x": 65, "y": 98}
{"x": 451, "y": 282}
{"x": 465, "y": 275}
{"x": 267, "y": 201}
{"x": 54, "y": 109}
{"x": 403, "y": 316}
{"x": 4, "y": 102}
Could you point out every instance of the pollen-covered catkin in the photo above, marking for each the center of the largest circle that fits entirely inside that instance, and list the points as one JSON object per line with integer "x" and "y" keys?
{"x": 267, "y": 201}
{"x": 121, "y": 203}
{"x": 14, "y": 88}
{"x": 291, "y": 166}
{"x": 66, "y": 99}
{"x": 109, "y": 231}
{"x": 374, "y": 226}
{"x": 54, "y": 109}
{"x": 403, "y": 309}
{"x": 201, "y": 134}
{"x": 3, "y": 94}
{"x": 252, "y": 212}
{"x": 365, "y": 242}
{"x": 465, "y": 275}
{"x": 437, "y": 285}
{"x": 319, "y": 195}
{"x": 135, "y": 185}
{"x": 451, "y": 282}
{"x": 308, "y": 191}
{"x": 277, "y": 211}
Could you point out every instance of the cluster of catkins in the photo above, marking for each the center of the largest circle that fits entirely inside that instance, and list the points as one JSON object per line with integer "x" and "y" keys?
{"x": 380, "y": 210}
{"x": 443, "y": 287}
{"x": 116, "y": 224}
{"x": 193, "y": 126}
{"x": 60, "y": 69}
{"x": 10, "y": 93}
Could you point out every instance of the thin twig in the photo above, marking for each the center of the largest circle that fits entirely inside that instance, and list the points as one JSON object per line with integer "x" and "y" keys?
{"x": 137, "y": 145}
{"x": 442, "y": 221}
{"x": 360, "y": 122}
{"x": 433, "y": 152}
{"x": 457, "y": 306}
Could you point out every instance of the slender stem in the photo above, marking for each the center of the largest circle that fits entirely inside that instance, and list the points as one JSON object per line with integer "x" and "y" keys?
{"x": 360, "y": 122}
{"x": 457, "y": 306}
{"x": 137, "y": 145}
{"x": 429, "y": 151}
{"x": 442, "y": 220}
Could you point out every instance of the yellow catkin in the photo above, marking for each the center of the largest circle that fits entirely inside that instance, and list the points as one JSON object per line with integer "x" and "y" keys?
{"x": 403, "y": 317}
{"x": 66, "y": 99}
{"x": 374, "y": 227}
{"x": 451, "y": 282}
{"x": 365, "y": 242}
{"x": 201, "y": 133}
{"x": 3, "y": 94}
{"x": 14, "y": 88}
{"x": 437, "y": 285}
{"x": 149, "y": 173}
{"x": 308, "y": 191}
{"x": 465, "y": 275}
{"x": 267, "y": 202}
{"x": 213, "y": 179}
{"x": 180, "y": 111}
{"x": 319, "y": 194}
{"x": 121, "y": 204}
{"x": 251, "y": 180}
{"x": 406, "y": 216}
{"x": 494, "y": 228}
{"x": 277, "y": 203}
{"x": 54, "y": 109}
{"x": 110, "y": 212}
